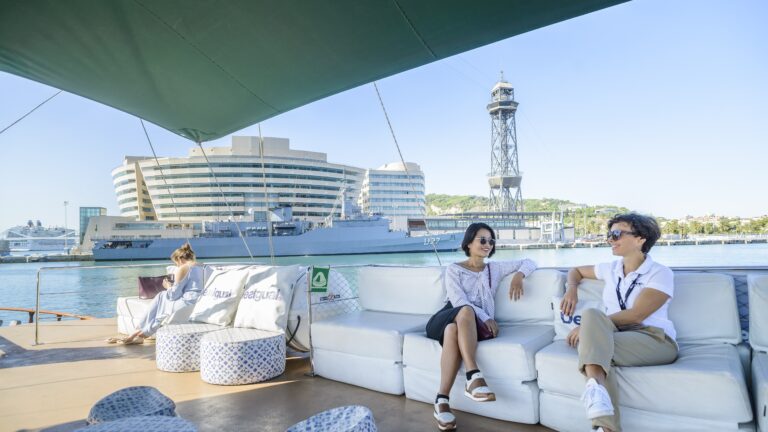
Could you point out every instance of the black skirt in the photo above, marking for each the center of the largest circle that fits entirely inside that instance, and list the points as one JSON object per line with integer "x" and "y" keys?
{"x": 440, "y": 320}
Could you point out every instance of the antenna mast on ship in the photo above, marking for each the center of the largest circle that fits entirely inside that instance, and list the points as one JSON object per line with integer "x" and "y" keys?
{"x": 505, "y": 177}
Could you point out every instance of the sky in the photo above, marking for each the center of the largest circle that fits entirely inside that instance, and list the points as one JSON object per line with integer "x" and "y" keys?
{"x": 654, "y": 105}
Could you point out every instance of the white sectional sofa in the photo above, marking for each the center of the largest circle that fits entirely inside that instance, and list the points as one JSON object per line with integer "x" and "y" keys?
{"x": 758, "y": 338}
{"x": 365, "y": 348}
{"x": 506, "y": 361}
{"x": 703, "y": 390}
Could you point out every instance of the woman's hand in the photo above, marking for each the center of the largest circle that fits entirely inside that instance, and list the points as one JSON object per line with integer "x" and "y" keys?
{"x": 516, "y": 287}
{"x": 568, "y": 303}
{"x": 493, "y": 327}
{"x": 573, "y": 337}
{"x": 167, "y": 283}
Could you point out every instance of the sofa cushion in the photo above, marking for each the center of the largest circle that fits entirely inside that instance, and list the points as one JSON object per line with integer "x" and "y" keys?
{"x": 218, "y": 302}
{"x": 704, "y": 309}
{"x": 266, "y": 298}
{"x": 366, "y": 333}
{"x": 564, "y": 324}
{"x": 760, "y": 389}
{"x": 714, "y": 371}
{"x": 511, "y": 355}
{"x": 535, "y": 305}
{"x": 758, "y": 311}
{"x": 407, "y": 290}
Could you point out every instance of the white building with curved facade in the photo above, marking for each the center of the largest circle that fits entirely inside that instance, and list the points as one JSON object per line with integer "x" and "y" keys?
{"x": 394, "y": 192}
{"x": 184, "y": 188}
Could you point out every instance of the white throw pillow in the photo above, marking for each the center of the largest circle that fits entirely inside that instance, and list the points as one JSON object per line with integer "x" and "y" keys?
{"x": 564, "y": 323}
{"x": 267, "y": 295}
{"x": 219, "y": 299}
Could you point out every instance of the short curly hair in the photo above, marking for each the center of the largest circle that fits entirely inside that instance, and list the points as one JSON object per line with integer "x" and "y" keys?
{"x": 642, "y": 226}
{"x": 471, "y": 232}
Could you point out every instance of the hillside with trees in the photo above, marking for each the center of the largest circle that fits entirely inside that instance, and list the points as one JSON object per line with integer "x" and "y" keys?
{"x": 595, "y": 217}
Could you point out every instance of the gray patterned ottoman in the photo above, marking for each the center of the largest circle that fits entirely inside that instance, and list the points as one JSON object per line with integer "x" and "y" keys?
{"x": 177, "y": 346}
{"x": 241, "y": 356}
{"x": 131, "y": 402}
{"x": 143, "y": 424}
{"x": 352, "y": 418}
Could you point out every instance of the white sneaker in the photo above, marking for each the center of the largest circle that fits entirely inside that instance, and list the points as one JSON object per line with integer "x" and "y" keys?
{"x": 596, "y": 400}
{"x": 446, "y": 421}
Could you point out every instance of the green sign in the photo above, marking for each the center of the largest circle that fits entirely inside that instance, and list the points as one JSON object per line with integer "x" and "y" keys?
{"x": 319, "y": 280}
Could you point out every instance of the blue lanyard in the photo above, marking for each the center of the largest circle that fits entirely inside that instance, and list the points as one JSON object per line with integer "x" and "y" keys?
{"x": 623, "y": 302}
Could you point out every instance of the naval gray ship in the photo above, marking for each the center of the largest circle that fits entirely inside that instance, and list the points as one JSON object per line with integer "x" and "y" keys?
{"x": 358, "y": 234}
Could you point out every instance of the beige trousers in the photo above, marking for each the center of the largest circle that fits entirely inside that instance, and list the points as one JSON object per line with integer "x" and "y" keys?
{"x": 602, "y": 343}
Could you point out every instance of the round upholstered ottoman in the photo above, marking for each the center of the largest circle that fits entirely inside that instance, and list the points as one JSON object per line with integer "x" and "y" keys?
{"x": 352, "y": 418}
{"x": 177, "y": 346}
{"x": 143, "y": 424}
{"x": 241, "y": 356}
{"x": 131, "y": 402}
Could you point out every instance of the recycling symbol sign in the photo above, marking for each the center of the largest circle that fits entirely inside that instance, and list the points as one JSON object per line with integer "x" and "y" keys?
{"x": 319, "y": 279}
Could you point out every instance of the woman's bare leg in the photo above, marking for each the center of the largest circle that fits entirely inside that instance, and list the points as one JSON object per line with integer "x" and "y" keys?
{"x": 467, "y": 333}
{"x": 450, "y": 359}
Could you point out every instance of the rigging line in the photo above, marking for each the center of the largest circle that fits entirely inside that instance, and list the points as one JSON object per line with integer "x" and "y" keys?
{"x": 226, "y": 202}
{"x": 405, "y": 167}
{"x": 413, "y": 29}
{"x": 157, "y": 162}
{"x": 266, "y": 199}
{"x": 33, "y": 110}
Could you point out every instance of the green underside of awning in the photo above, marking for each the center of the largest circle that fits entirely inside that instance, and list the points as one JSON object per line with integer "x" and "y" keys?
{"x": 204, "y": 69}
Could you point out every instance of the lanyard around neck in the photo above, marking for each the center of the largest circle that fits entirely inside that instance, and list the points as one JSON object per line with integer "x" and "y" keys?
{"x": 623, "y": 302}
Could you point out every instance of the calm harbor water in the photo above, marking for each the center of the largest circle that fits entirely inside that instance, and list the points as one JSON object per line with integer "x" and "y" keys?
{"x": 93, "y": 292}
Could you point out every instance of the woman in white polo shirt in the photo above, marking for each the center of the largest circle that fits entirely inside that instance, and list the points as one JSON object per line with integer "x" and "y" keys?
{"x": 634, "y": 329}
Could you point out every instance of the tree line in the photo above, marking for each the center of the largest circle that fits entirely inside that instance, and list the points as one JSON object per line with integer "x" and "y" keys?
{"x": 592, "y": 219}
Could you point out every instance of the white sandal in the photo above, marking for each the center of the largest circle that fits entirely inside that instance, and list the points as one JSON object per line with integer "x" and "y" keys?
{"x": 445, "y": 418}
{"x": 478, "y": 390}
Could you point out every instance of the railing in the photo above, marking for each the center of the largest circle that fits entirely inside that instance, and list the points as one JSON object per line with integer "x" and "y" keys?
{"x": 32, "y": 313}
{"x": 37, "y": 311}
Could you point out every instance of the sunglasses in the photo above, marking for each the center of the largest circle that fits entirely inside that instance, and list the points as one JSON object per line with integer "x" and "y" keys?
{"x": 616, "y": 234}
{"x": 484, "y": 240}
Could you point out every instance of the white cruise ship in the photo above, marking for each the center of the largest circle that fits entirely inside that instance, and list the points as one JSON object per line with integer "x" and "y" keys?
{"x": 33, "y": 237}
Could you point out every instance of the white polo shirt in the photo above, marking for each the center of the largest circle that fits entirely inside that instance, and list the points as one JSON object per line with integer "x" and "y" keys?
{"x": 650, "y": 275}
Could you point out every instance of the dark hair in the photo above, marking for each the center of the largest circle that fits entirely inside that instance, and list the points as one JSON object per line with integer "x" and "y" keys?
{"x": 185, "y": 253}
{"x": 643, "y": 226}
{"x": 469, "y": 237}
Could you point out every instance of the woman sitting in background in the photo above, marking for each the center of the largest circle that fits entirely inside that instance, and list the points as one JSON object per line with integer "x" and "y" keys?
{"x": 635, "y": 329}
{"x": 184, "y": 291}
{"x": 467, "y": 317}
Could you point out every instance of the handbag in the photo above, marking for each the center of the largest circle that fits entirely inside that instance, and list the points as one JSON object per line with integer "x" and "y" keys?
{"x": 150, "y": 286}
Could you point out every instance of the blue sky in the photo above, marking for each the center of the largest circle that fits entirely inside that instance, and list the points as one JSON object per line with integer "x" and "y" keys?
{"x": 658, "y": 106}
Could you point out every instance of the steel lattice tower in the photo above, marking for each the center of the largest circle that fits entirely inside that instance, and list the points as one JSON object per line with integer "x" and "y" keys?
{"x": 505, "y": 176}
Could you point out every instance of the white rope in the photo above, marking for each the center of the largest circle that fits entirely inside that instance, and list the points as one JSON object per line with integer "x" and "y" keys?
{"x": 30, "y": 112}
{"x": 405, "y": 167}
{"x": 157, "y": 162}
{"x": 266, "y": 198}
{"x": 229, "y": 209}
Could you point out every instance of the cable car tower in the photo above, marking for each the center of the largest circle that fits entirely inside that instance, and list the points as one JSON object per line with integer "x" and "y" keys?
{"x": 505, "y": 176}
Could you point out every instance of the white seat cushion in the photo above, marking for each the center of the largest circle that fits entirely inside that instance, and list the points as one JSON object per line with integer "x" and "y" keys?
{"x": 130, "y": 310}
{"x": 535, "y": 305}
{"x": 511, "y": 355}
{"x": 366, "y": 333}
{"x": 704, "y": 309}
{"x": 758, "y": 311}
{"x": 566, "y": 414}
{"x": 714, "y": 371}
{"x": 760, "y": 389}
{"x": 405, "y": 290}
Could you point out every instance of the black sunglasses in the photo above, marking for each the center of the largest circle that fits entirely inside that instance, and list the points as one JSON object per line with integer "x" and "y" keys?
{"x": 484, "y": 240}
{"x": 616, "y": 234}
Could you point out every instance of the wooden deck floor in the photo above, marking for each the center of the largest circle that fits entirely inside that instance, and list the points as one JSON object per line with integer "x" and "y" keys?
{"x": 52, "y": 387}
